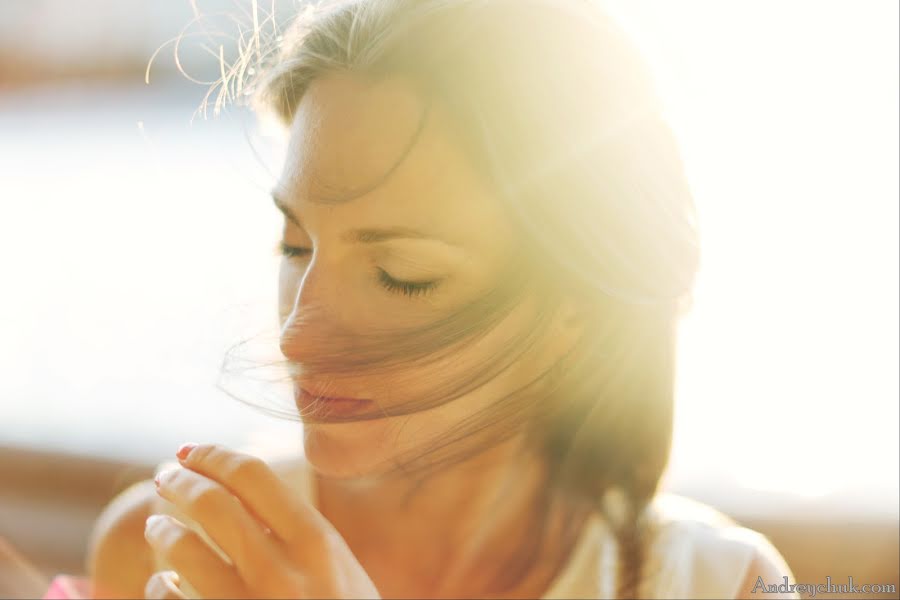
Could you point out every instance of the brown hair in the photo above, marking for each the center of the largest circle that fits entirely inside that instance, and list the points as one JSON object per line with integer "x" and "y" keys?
{"x": 559, "y": 113}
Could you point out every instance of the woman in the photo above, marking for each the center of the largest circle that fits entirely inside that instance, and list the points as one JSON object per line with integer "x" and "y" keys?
{"x": 488, "y": 242}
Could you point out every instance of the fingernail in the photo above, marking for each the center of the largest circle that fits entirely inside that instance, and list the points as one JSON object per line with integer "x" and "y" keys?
{"x": 164, "y": 474}
{"x": 184, "y": 450}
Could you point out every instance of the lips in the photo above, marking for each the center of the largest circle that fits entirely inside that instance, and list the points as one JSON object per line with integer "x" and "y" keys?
{"x": 309, "y": 402}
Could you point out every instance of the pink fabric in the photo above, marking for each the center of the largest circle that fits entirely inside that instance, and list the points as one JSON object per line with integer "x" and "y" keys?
{"x": 68, "y": 586}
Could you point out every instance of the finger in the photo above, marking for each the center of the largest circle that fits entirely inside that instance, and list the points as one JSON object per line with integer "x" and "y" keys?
{"x": 224, "y": 519}
{"x": 192, "y": 557}
{"x": 163, "y": 585}
{"x": 290, "y": 517}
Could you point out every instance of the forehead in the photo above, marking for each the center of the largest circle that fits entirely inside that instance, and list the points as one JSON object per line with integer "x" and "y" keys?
{"x": 346, "y": 133}
{"x": 384, "y": 145}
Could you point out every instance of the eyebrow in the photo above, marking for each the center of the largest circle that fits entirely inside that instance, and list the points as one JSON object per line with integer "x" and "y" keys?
{"x": 367, "y": 235}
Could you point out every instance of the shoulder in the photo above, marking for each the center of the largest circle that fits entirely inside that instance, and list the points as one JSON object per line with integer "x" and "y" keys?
{"x": 696, "y": 551}
{"x": 119, "y": 560}
{"x": 767, "y": 569}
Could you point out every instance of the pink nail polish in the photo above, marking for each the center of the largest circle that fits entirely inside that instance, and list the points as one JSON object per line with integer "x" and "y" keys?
{"x": 184, "y": 450}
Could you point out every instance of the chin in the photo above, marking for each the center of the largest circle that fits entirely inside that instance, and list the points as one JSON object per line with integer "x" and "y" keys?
{"x": 346, "y": 450}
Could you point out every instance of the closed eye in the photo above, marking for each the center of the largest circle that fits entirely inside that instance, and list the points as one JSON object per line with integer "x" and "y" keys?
{"x": 407, "y": 288}
{"x": 291, "y": 251}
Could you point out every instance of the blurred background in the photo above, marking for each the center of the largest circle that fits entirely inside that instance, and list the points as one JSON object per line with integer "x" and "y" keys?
{"x": 137, "y": 237}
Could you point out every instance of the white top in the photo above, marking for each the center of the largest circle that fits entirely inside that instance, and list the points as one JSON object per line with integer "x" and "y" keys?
{"x": 698, "y": 552}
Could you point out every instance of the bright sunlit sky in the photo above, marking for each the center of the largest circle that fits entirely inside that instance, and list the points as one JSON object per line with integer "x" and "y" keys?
{"x": 787, "y": 113}
{"x": 136, "y": 247}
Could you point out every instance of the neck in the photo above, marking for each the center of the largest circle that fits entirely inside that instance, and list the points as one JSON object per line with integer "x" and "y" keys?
{"x": 449, "y": 537}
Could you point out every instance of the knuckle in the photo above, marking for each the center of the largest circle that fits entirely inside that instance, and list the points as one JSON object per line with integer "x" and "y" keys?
{"x": 206, "y": 499}
{"x": 325, "y": 541}
{"x": 244, "y": 469}
{"x": 327, "y": 538}
{"x": 203, "y": 453}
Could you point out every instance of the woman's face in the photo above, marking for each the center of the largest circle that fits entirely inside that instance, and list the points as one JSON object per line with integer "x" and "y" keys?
{"x": 345, "y": 136}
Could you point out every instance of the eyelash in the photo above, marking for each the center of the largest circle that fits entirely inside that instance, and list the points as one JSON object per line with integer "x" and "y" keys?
{"x": 290, "y": 251}
{"x": 407, "y": 288}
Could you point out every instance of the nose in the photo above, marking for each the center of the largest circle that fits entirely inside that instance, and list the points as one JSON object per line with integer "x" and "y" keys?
{"x": 307, "y": 298}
